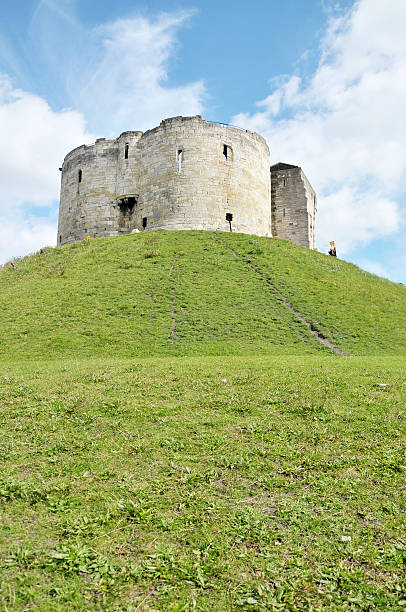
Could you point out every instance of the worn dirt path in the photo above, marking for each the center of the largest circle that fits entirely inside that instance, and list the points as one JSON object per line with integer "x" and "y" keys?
{"x": 173, "y": 309}
{"x": 314, "y": 332}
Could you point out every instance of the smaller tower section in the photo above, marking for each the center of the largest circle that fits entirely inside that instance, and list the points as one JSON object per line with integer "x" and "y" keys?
{"x": 88, "y": 189}
{"x": 127, "y": 191}
{"x": 293, "y": 205}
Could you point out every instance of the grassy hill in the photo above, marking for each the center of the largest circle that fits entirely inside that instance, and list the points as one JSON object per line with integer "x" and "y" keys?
{"x": 181, "y": 293}
{"x": 178, "y": 431}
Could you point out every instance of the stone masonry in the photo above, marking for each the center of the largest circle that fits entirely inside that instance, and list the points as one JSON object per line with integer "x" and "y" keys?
{"x": 294, "y": 205}
{"x": 184, "y": 174}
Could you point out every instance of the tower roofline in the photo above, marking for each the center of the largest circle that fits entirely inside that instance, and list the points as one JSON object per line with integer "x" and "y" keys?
{"x": 282, "y": 166}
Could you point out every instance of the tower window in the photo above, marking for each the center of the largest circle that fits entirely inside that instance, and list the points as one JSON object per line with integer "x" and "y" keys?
{"x": 284, "y": 212}
{"x": 126, "y": 151}
{"x": 284, "y": 182}
{"x": 227, "y": 153}
{"x": 60, "y": 238}
{"x": 80, "y": 176}
{"x": 229, "y": 217}
{"x": 144, "y": 222}
{"x": 180, "y": 159}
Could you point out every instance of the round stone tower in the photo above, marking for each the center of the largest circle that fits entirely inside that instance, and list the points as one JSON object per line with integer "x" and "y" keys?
{"x": 184, "y": 174}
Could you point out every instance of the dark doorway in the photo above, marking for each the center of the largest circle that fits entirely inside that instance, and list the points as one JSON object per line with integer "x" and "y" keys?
{"x": 126, "y": 205}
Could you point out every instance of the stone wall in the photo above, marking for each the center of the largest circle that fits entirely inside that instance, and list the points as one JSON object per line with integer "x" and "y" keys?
{"x": 294, "y": 205}
{"x": 184, "y": 174}
{"x": 92, "y": 177}
{"x": 138, "y": 182}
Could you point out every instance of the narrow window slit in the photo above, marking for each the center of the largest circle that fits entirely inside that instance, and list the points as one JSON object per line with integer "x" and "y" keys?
{"x": 80, "y": 176}
{"x": 227, "y": 153}
{"x": 144, "y": 222}
{"x": 180, "y": 159}
{"x": 229, "y": 218}
{"x": 284, "y": 212}
{"x": 126, "y": 151}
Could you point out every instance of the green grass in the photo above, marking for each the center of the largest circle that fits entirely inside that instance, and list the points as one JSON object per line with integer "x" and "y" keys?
{"x": 361, "y": 313}
{"x": 263, "y": 483}
{"x": 173, "y": 438}
{"x": 115, "y": 297}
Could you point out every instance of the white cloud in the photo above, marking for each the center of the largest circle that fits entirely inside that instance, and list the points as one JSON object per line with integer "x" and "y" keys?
{"x": 34, "y": 141}
{"x": 120, "y": 86}
{"x": 345, "y": 125}
{"x": 348, "y": 217}
{"x": 126, "y": 89}
{"x": 374, "y": 267}
{"x": 116, "y": 74}
{"x": 20, "y": 235}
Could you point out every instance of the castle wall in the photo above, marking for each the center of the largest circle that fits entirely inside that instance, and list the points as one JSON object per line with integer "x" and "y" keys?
{"x": 184, "y": 174}
{"x": 294, "y": 205}
{"x": 207, "y": 187}
{"x": 89, "y": 204}
{"x": 118, "y": 191}
{"x": 128, "y": 164}
{"x": 80, "y": 213}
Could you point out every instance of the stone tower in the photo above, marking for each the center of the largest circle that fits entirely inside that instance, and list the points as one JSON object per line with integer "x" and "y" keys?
{"x": 294, "y": 205}
{"x": 186, "y": 173}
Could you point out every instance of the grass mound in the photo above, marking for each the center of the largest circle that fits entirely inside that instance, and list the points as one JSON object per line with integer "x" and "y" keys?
{"x": 175, "y": 434}
{"x": 182, "y": 293}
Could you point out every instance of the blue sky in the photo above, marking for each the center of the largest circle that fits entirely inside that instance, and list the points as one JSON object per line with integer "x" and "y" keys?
{"x": 323, "y": 80}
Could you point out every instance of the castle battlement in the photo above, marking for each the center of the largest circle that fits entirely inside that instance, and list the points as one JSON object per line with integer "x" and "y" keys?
{"x": 186, "y": 173}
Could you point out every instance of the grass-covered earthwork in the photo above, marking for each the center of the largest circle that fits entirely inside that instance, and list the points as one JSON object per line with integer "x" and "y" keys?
{"x": 174, "y": 437}
{"x": 185, "y": 293}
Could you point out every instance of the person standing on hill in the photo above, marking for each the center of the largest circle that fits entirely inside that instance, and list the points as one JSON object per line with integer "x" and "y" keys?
{"x": 332, "y": 250}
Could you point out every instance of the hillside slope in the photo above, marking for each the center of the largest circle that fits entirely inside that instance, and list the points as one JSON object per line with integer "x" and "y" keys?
{"x": 241, "y": 466}
{"x": 180, "y": 293}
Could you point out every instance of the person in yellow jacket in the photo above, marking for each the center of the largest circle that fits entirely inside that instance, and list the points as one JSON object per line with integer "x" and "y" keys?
{"x": 332, "y": 250}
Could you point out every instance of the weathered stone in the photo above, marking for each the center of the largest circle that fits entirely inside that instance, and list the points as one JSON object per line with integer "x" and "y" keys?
{"x": 184, "y": 174}
{"x": 294, "y": 205}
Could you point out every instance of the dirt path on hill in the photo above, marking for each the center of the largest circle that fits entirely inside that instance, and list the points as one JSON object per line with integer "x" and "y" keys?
{"x": 172, "y": 300}
{"x": 314, "y": 332}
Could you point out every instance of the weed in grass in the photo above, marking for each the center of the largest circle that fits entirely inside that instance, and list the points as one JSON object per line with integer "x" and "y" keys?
{"x": 151, "y": 254}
